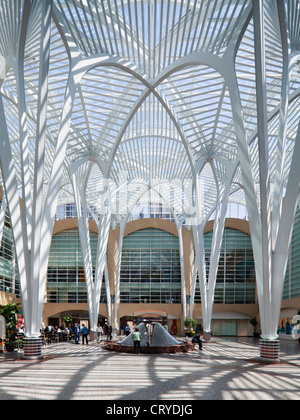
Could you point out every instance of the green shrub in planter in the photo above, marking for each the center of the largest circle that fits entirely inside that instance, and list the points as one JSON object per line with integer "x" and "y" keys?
{"x": 190, "y": 325}
{"x": 9, "y": 312}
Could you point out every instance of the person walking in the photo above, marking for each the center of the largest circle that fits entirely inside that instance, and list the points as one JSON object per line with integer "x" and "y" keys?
{"x": 108, "y": 331}
{"x": 136, "y": 336}
{"x": 99, "y": 332}
{"x": 84, "y": 331}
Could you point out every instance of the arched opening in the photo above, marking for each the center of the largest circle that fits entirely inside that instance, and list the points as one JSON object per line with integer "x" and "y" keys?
{"x": 77, "y": 316}
{"x": 169, "y": 321}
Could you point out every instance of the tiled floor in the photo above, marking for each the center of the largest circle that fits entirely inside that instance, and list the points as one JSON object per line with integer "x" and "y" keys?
{"x": 226, "y": 369}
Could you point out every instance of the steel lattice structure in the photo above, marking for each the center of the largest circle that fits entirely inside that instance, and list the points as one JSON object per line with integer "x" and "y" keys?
{"x": 197, "y": 101}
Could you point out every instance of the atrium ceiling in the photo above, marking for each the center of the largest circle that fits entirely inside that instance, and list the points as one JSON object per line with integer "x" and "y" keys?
{"x": 153, "y": 103}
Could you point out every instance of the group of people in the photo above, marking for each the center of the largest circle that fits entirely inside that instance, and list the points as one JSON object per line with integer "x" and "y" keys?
{"x": 136, "y": 337}
{"x": 83, "y": 331}
{"x": 99, "y": 332}
{"x": 57, "y": 333}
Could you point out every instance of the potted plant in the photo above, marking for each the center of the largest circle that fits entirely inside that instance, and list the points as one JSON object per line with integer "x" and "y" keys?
{"x": 190, "y": 325}
{"x": 68, "y": 320}
{"x": 9, "y": 312}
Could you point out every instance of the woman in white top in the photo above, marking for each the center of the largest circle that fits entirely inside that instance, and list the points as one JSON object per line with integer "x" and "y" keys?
{"x": 99, "y": 332}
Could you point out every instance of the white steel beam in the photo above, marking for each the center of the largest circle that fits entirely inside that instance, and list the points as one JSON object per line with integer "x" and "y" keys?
{"x": 17, "y": 220}
{"x": 200, "y": 255}
{"x": 200, "y": 267}
{"x": 281, "y": 143}
{"x": 181, "y": 256}
{"x": 247, "y": 174}
{"x": 34, "y": 286}
{"x": 193, "y": 289}
{"x": 263, "y": 155}
{"x": 107, "y": 289}
{"x": 117, "y": 281}
{"x": 23, "y": 129}
{"x": 218, "y": 230}
{"x": 103, "y": 231}
{"x": 84, "y": 233}
{"x": 2, "y": 217}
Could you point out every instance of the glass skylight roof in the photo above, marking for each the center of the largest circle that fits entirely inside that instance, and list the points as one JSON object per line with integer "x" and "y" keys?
{"x": 152, "y": 102}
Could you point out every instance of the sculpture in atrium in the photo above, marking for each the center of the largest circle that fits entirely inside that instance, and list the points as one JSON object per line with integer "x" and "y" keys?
{"x": 159, "y": 340}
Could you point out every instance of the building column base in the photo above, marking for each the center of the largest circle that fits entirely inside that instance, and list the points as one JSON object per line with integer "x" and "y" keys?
{"x": 269, "y": 350}
{"x": 32, "y": 348}
{"x": 206, "y": 336}
{"x": 92, "y": 336}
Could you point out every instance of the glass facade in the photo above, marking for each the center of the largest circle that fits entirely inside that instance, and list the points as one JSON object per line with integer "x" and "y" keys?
{"x": 150, "y": 268}
{"x": 66, "y": 211}
{"x": 151, "y": 210}
{"x": 292, "y": 278}
{"x": 236, "y": 273}
{"x": 66, "y": 278}
{"x": 8, "y": 268}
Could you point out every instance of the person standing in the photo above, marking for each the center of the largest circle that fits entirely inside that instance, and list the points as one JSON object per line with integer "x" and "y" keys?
{"x": 149, "y": 333}
{"x": 108, "y": 331}
{"x": 84, "y": 331}
{"x": 76, "y": 333}
{"x": 99, "y": 332}
{"x": 136, "y": 336}
{"x": 127, "y": 330}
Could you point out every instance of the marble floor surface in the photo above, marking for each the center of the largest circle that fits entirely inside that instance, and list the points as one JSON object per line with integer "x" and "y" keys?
{"x": 226, "y": 369}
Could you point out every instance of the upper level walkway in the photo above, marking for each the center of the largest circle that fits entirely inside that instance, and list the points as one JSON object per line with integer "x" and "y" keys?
{"x": 226, "y": 369}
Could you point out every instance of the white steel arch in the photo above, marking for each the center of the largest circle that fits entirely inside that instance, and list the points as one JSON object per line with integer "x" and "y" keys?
{"x": 150, "y": 89}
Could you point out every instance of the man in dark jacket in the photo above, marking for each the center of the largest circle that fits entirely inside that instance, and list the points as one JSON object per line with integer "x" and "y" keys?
{"x": 197, "y": 339}
{"x": 108, "y": 331}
